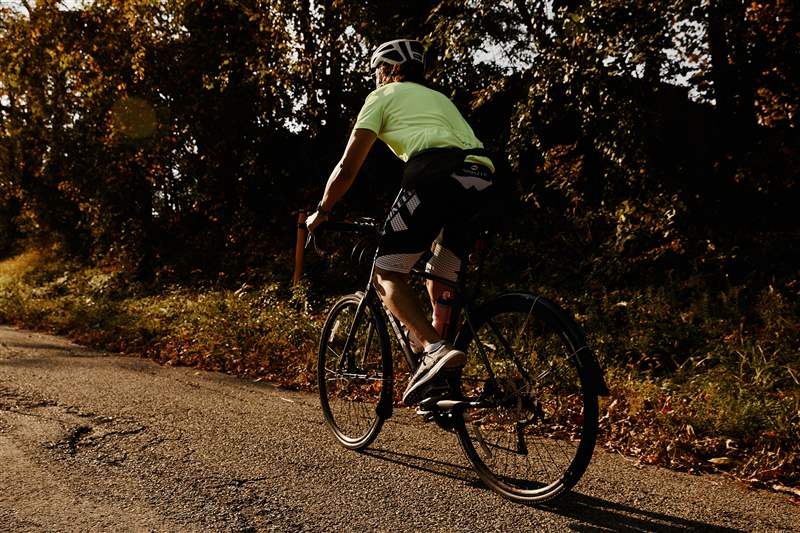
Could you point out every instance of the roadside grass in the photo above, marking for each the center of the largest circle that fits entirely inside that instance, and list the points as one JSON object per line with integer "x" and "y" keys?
{"x": 249, "y": 331}
{"x": 698, "y": 383}
{"x": 727, "y": 397}
{"x": 706, "y": 423}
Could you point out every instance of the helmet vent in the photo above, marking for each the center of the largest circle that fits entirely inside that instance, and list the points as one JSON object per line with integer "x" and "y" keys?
{"x": 398, "y": 52}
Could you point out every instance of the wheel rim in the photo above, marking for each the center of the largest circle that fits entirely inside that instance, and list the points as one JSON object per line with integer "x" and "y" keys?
{"x": 534, "y": 444}
{"x": 351, "y": 387}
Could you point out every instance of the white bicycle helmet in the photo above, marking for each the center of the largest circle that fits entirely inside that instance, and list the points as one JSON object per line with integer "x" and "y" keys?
{"x": 398, "y": 52}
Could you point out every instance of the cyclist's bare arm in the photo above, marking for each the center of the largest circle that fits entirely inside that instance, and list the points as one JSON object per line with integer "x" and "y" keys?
{"x": 344, "y": 173}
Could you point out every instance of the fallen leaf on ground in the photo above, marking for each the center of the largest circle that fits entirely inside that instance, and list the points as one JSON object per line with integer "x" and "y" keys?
{"x": 721, "y": 460}
{"x": 784, "y": 488}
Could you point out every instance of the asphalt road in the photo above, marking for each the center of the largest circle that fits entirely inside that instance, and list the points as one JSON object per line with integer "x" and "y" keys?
{"x": 91, "y": 442}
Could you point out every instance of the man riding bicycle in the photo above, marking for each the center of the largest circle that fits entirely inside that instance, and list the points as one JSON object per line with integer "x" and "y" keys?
{"x": 447, "y": 178}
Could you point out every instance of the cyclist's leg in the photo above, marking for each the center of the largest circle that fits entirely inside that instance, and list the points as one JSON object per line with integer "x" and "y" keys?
{"x": 471, "y": 190}
{"x": 412, "y": 224}
{"x": 445, "y": 264}
{"x": 402, "y": 302}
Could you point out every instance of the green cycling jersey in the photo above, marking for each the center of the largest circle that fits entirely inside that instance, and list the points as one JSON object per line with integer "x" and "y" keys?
{"x": 410, "y": 117}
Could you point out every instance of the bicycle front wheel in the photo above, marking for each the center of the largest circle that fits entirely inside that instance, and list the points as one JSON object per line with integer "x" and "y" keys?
{"x": 535, "y": 436}
{"x": 354, "y": 386}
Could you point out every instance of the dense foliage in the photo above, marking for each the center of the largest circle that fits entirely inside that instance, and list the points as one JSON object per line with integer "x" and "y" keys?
{"x": 654, "y": 148}
{"x": 134, "y": 128}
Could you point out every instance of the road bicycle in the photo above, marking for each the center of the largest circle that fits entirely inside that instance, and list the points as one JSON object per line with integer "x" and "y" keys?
{"x": 524, "y": 407}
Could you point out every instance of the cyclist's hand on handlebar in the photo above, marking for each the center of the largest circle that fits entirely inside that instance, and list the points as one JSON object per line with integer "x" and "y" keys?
{"x": 313, "y": 221}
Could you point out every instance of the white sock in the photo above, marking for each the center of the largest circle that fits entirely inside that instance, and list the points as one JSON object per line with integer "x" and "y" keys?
{"x": 432, "y": 347}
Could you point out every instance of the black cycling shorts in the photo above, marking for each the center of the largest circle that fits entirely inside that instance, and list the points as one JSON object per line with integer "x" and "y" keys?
{"x": 434, "y": 212}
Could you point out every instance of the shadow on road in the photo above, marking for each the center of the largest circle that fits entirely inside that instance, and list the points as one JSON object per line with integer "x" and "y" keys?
{"x": 594, "y": 514}
{"x": 597, "y": 514}
{"x": 426, "y": 464}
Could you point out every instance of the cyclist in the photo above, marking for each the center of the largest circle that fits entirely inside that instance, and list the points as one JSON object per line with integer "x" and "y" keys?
{"x": 447, "y": 177}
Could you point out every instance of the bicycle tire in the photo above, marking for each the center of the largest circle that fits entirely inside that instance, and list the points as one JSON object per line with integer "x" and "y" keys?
{"x": 351, "y": 396}
{"x": 538, "y": 440}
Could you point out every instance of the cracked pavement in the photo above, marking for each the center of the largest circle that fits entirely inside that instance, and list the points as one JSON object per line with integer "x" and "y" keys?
{"x": 92, "y": 442}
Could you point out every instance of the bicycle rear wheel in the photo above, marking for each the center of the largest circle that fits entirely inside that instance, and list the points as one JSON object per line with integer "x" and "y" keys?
{"x": 354, "y": 386}
{"x": 536, "y": 436}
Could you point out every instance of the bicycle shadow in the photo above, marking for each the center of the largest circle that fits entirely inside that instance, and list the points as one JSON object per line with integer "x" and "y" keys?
{"x": 597, "y": 514}
{"x": 426, "y": 464}
{"x": 594, "y": 514}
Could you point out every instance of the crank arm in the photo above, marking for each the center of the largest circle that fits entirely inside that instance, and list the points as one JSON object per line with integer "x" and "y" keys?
{"x": 460, "y": 404}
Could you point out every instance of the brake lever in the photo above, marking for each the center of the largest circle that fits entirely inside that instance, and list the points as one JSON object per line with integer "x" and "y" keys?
{"x": 313, "y": 241}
